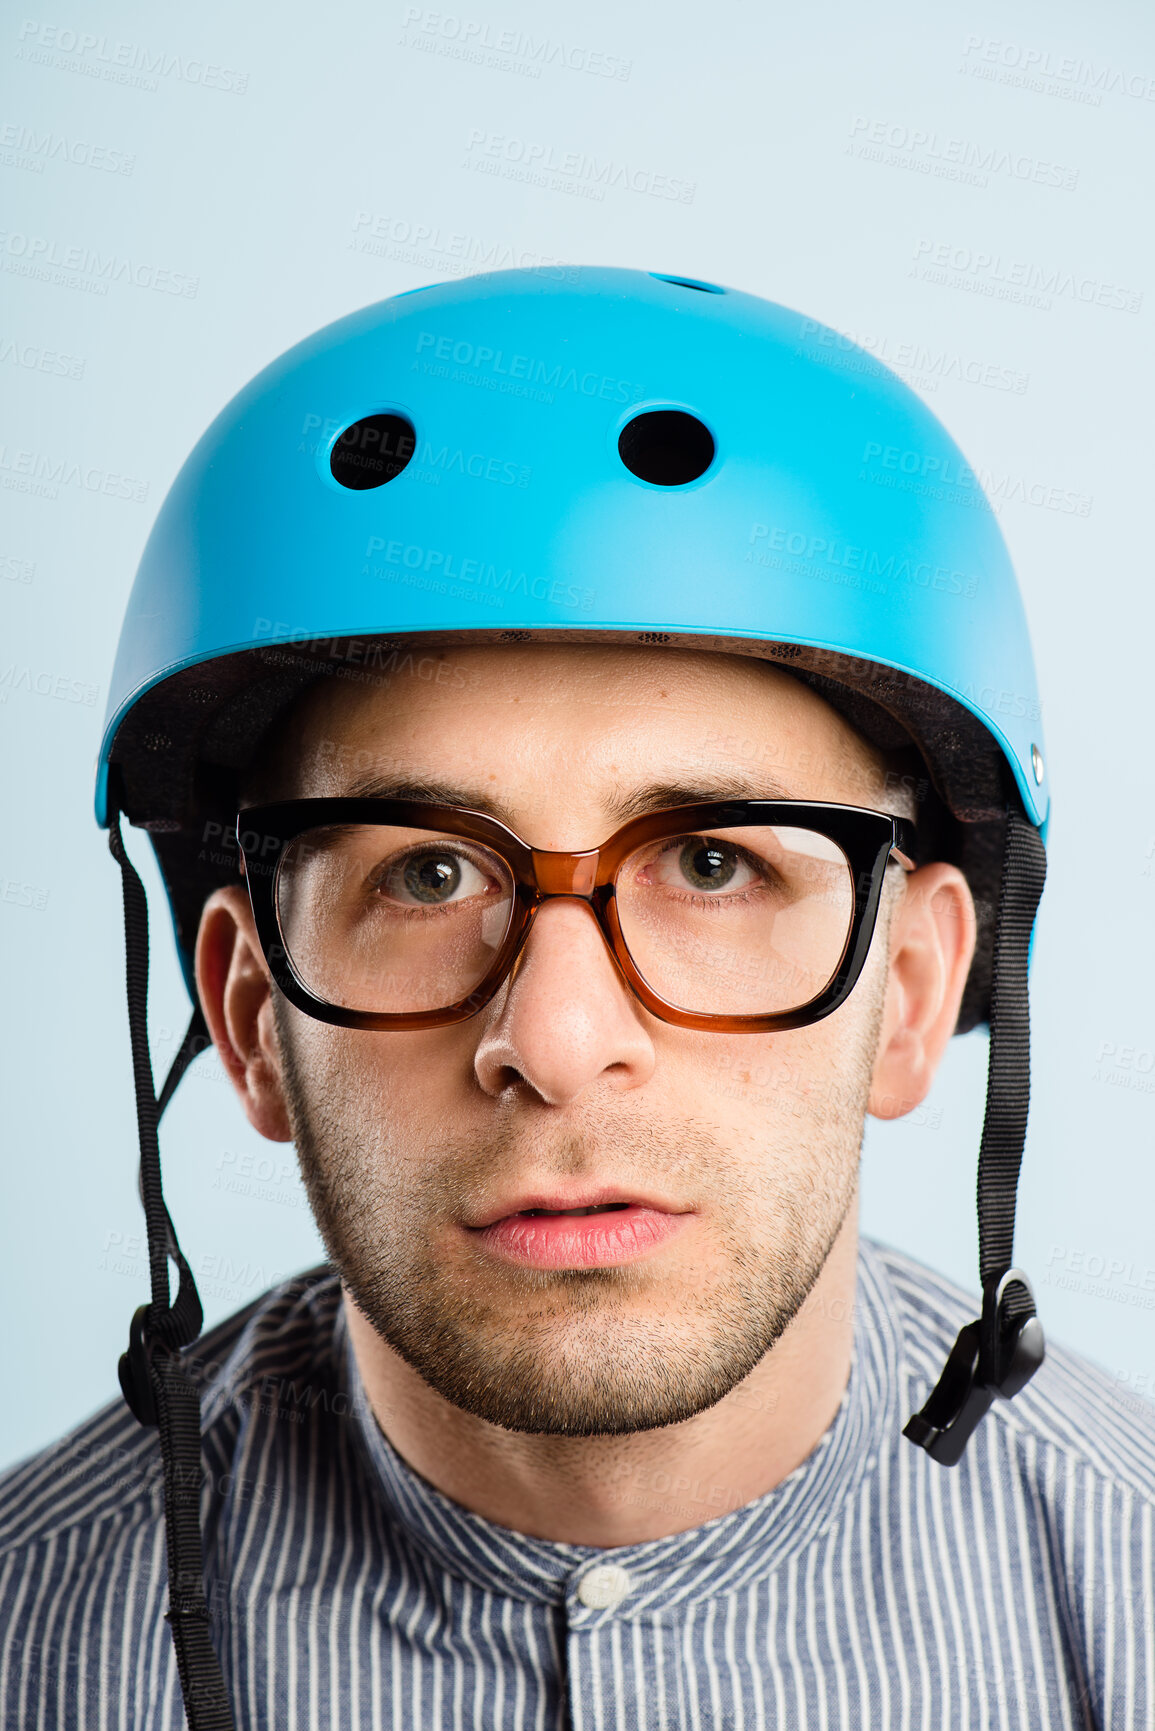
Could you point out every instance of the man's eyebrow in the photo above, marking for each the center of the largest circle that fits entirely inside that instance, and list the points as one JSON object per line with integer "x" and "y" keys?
{"x": 620, "y": 807}
{"x": 658, "y": 795}
{"x": 421, "y": 790}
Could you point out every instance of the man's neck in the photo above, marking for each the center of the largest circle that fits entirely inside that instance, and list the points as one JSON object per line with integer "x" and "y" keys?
{"x": 621, "y": 1490}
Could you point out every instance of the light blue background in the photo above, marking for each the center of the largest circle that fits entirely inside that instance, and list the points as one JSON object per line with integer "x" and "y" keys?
{"x": 352, "y": 121}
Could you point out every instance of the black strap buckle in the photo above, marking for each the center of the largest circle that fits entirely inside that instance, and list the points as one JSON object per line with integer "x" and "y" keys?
{"x": 135, "y": 1369}
{"x": 995, "y": 1356}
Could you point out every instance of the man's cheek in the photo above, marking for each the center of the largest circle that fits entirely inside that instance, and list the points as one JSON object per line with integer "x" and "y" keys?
{"x": 394, "y": 1082}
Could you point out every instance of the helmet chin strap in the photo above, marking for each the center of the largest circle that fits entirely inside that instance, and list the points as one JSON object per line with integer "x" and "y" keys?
{"x": 152, "y": 1376}
{"x": 999, "y": 1353}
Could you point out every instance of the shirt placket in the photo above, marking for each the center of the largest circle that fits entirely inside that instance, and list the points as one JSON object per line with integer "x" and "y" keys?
{"x": 623, "y": 1670}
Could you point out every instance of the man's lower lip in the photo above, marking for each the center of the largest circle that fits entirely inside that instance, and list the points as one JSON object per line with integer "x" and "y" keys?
{"x": 579, "y": 1240}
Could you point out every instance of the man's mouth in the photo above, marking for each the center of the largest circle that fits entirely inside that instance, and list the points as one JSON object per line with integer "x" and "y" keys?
{"x": 598, "y": 1234}
{"x": 596, "y": 1208}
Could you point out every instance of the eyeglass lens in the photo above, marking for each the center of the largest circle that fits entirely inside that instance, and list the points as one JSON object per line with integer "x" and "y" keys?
{"x": 387, "y": 919}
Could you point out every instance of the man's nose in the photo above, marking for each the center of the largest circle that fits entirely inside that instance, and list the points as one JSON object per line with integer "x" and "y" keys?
{"x": 567, "y": 1019}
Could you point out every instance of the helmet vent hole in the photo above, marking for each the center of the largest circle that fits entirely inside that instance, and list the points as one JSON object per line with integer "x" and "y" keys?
{"x": 666, "y": 447}
{"x": 372, "y": 451}
{"x": 706, "y": 288}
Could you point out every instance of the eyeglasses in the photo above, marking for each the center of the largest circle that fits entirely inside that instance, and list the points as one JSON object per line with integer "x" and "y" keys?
{"x": 743, "y": 915}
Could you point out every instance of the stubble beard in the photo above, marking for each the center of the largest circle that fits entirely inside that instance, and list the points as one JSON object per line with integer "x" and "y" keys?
{"x": 577, "y": 1352}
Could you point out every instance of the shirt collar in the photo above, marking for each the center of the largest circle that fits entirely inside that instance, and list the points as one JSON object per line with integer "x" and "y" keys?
{"x": 721, "y": 1555}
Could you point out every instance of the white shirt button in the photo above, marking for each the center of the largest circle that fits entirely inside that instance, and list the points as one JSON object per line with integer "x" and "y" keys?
{"x": 603, "y": 1587}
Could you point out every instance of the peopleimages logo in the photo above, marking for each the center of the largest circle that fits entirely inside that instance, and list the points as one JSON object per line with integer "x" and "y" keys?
{"x": 40, "y": 360}
{"x": 38, "y": 256}
{"x": 33, "y": 472}
{"x": 489, "y": 582}
{"x": 41, "y": 682}
{"x": 925, "y": 365}
{"x": 474, "y": 40}
{"x": 1015, "y": 279}
{"x": 1033, "y": 66}
{"x": 929, "y": 152}
{"x": 427, "y": 456}
{"x": 14, "y": 570}
{"x": 973, "y": 484}
{"x": 24, "y": 147}
{"x": 494, "y": 364}
{"x": 451, "y": 252}
{"x": 120, "y": 62}
{"x": 542, "y": 164}
{"x": 866, "y": 562}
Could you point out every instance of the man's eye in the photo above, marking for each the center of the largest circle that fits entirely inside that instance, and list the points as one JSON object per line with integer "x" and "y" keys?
{"x": 702, "y": 863}
{"x": 432, "y": 878}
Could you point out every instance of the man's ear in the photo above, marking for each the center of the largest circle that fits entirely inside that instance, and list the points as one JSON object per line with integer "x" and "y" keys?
{"x": 236, "y": 994}
{"x": 932, "y": 940}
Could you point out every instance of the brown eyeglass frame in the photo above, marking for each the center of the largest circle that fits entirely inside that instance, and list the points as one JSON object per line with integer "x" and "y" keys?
{"x": 870, "y": 840}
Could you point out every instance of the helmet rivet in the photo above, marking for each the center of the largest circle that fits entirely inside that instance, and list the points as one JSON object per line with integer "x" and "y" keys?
{"x": 1037, "y": 765}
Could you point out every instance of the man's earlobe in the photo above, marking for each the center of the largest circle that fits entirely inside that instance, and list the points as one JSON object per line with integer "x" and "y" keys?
{"x": 236, "y": 995}
{"x": 932, "y": 940}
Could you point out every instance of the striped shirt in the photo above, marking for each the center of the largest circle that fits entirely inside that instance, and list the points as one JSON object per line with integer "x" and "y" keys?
{"x": 871, "y": 1588}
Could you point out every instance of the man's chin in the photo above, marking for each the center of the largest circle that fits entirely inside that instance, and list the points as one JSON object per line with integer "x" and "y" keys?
{"x": 538, "y": 1401}
{"x": 609, "y": 1370}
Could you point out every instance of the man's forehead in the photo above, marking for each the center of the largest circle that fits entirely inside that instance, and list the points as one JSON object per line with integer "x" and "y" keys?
{"x": 557, "y": 673}
{"x": 614, "y": 723}
{"x": 622, "y": 686}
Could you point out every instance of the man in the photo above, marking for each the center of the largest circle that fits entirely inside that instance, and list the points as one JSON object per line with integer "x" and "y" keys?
{"x": 571, "y": 954}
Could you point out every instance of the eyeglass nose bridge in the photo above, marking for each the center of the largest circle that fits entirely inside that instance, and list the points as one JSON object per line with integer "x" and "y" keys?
{"x": 566, "y": 874}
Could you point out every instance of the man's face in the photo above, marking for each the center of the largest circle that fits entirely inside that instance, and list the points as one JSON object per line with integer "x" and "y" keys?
{"x": 738, "y": 1153}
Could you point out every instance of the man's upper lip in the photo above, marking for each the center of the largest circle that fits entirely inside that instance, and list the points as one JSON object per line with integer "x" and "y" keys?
{"x": 556, "y": 1200}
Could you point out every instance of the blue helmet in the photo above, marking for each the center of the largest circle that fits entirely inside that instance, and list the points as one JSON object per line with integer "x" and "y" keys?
{"x": 571, "y": 453}
{"x": 607, "y": 455}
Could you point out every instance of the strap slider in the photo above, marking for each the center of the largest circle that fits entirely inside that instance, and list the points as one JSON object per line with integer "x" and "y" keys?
{"x": 1013, "y": 1345}
{"x": 995, "y": 1357}
{"x": 191, "y": 1609}
{"x": 135, "y": 1369}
